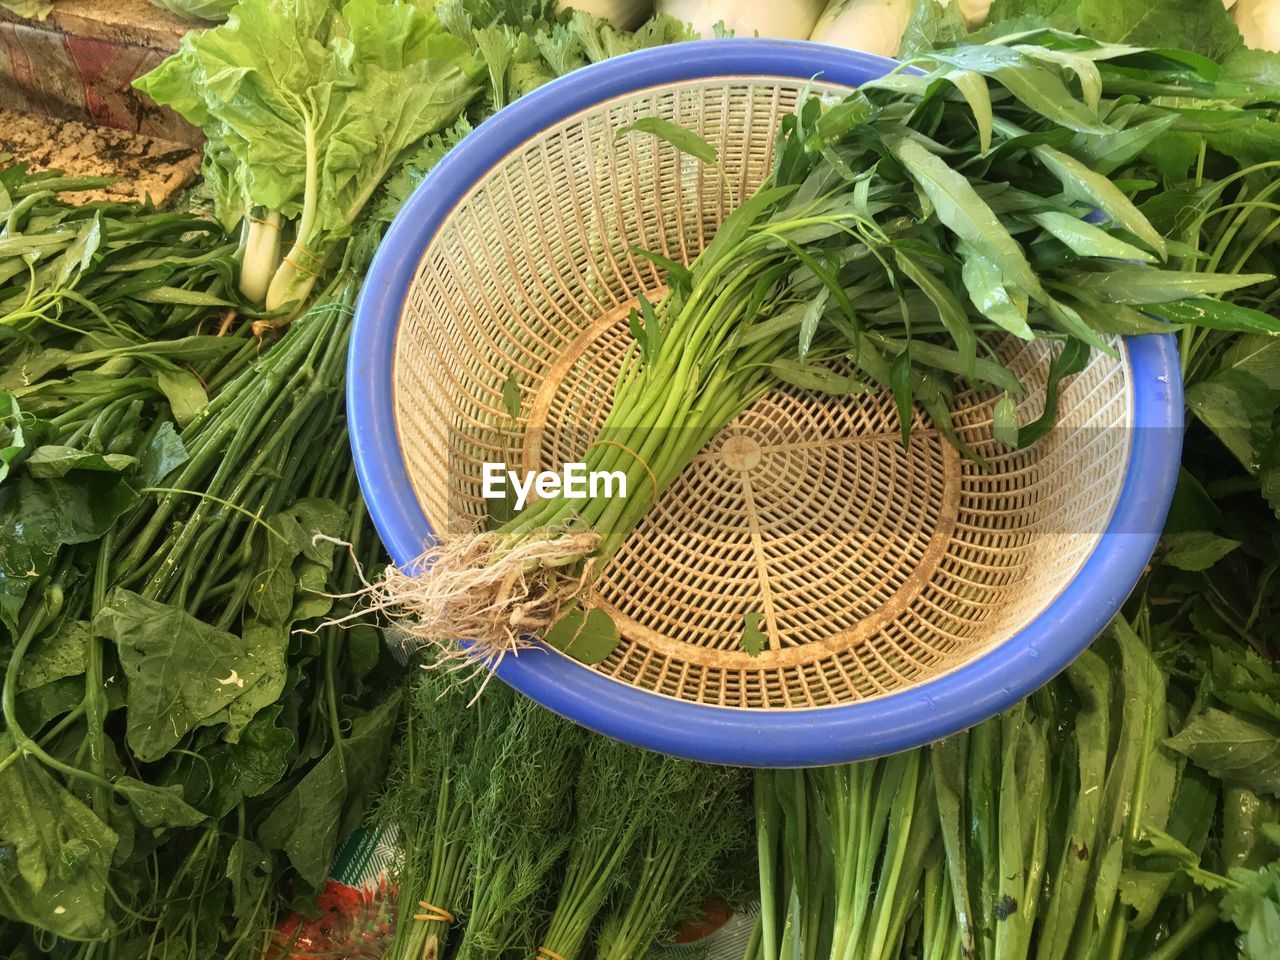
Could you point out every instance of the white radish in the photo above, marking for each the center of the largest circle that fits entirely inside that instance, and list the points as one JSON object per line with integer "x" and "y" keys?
{"x": 793, "y": 19}
{"x": 875, "y": 26}
{"x": 623, "y": 14}
{"x": 1259, "y": 23}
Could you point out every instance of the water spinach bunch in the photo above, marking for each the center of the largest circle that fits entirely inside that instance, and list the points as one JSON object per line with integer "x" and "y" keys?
{"x": 902, "y": 229}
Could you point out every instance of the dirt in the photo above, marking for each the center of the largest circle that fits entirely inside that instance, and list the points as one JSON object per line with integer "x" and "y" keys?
{"x": 144, "y": 166}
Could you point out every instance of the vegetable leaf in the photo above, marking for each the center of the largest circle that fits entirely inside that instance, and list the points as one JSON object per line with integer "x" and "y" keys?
{"x": 683, "y": 139}
{"x": 754, "y": 640}
{"x": 1196, "y": 549}
{"x": 181, "y": 672}
{"x": 965, "y": 213}
{"x": 37, "y": 517}
{"x": 307, "y": 823}
{"x": 1004, "y": 421}
{"x": 1232, "y": 748}
{"x": 57, "y": 854}
{"x": 589, "y": 637}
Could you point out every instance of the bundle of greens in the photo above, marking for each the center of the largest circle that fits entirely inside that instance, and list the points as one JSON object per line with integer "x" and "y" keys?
{"x": 521, "y": 811}
{"x": 619, "y": 791}
{"x": 294, "y": 98}
{"x": 901, "y": 228}
{"x": 424, "y": 805}
{"x": 828, "y": 838}
{"x": 480, "y": 798}
{"x": 500, "y": 838}
{"x": 687, "y": 852}
{"x": 1063, "y": 828}
{"x": 649, "y": 833}
{"x": 183, "y": 746}
{"x": 1129, "y": 809}
{"x": 160, "y": 719}
{"x": 309, "y": 106}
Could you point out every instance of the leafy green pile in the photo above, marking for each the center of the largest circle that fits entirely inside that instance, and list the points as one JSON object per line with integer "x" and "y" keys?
{"x": 1132, "y": 807}
{"x": 294, "y": 99}
{"x": 169, "y": 742}
{"x": 521, "y": 834}
{"x": 309, "y": 106}
{"x": 1203, "y": 27}
{"x": 183, "y": 746}
{"x": 1073, "y": 825}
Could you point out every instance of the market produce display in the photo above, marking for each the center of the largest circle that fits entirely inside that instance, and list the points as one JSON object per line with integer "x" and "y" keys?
{"x": 188, "y": 737}
{"x": 184, "y": 749}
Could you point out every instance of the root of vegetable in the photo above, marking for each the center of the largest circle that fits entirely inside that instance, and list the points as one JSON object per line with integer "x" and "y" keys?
{"x": 487, "y": 592}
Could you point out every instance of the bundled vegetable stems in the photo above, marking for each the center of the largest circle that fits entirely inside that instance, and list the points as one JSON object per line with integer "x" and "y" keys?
{"x": 1042, "y": 833}
{"x": 308, "y": 138}
{"x": 522, "y": 835}
{"x": 300, "y": 143}
{"x": 159, "y": 525}
{"x": 899, "y": 231}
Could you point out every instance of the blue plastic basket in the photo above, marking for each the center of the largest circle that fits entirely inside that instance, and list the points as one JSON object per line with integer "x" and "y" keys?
{"x": 978, "y": 681}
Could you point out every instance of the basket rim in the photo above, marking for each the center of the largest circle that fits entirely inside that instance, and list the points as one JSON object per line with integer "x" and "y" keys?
{"x": 839, "y": 733}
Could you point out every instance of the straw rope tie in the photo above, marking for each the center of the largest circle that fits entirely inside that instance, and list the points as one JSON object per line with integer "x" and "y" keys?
{"x": 307, "y": 270}
{"x": 433, "y": 914}
{"x": 634, "y": 456}
{"x": 546, "y": 953}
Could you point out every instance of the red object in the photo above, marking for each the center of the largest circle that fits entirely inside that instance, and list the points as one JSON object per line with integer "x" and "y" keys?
{"x": 354, "y": 923}
{"x": 715, "y": 914}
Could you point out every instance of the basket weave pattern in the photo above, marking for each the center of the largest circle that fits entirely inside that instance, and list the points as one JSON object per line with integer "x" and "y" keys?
{"x": 873, "y": 567}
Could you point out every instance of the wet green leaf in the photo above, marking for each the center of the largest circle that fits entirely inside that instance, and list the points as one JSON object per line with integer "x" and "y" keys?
{"x": 950, "y": 310}
{"x": 811, "y": 376}
{"x": 985, "y": 283}
{"x": 156, "y": 806}
{"x": 164, "y": 454}
{"x": 1148, "y": 287}
{"x": 62, "y": 654}
{"x": 55, "y": 461}
{"x": 902, "y": 387}
{"x": 1070, "y": 360}
{"x": 1233, "y": 749}
{"x": 308, "y": 822}
{"x": 1195, "y": 549}
{"x": 1035, "y": 85}
{"x": 1084, "y": 185}
{"x": 966, "y": 214}
{"x": 1237, "y": 407}
{"x": 1088, "y": 240}
{"x": 39, "y": 517}
{"x": 677, "y": 273}
{"x": 181, "y": 673}
{"x": 1220, "y": 315}
{"x": 183, "y": 390}
{"x": 56, "y": 854}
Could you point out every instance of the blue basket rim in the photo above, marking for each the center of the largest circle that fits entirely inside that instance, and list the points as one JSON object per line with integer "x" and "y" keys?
{"x": 774, "y": 738}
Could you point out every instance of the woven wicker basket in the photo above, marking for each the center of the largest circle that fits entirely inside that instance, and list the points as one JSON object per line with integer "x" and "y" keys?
{"x": 905, "y": 592}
